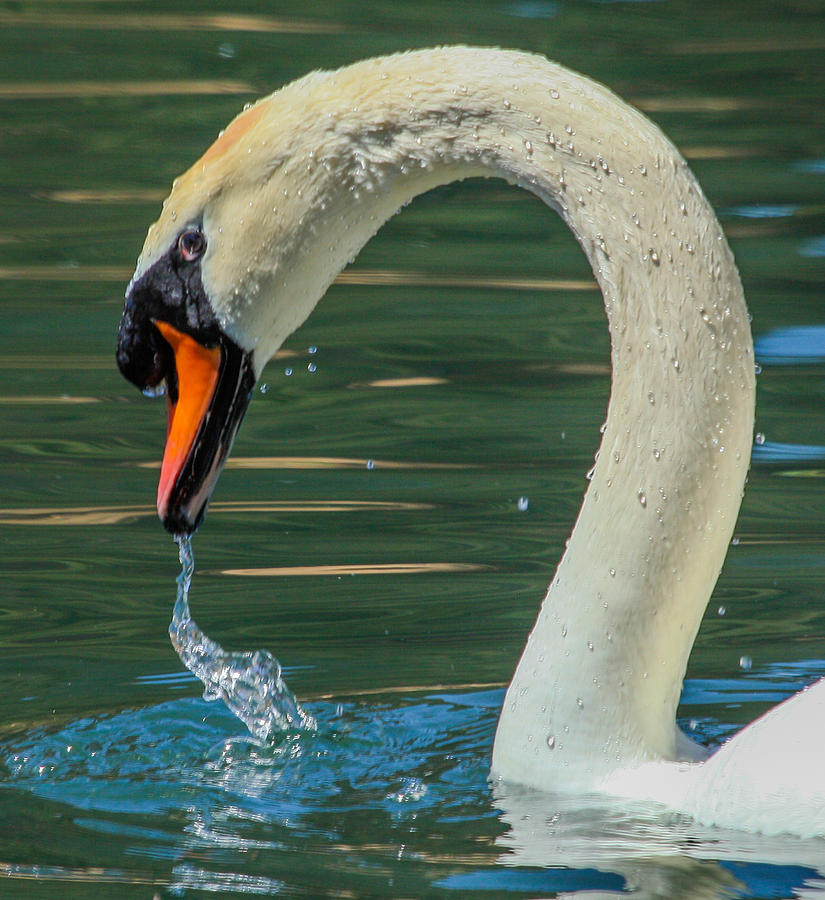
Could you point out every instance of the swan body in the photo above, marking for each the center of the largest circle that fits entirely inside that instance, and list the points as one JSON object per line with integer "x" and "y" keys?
{"x": 253, "y": 234}
{"x": 765, "y": 778}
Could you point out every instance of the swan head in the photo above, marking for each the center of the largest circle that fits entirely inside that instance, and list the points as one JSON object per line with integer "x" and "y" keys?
{"x": 247, "y": 242}
{"x": 184, "y": 329}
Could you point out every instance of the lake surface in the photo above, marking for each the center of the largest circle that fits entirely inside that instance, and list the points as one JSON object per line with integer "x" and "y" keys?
{"x": 368, "y": 530}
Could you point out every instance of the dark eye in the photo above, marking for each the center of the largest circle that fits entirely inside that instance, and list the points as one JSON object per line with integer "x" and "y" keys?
{"x": 191, "y": 244}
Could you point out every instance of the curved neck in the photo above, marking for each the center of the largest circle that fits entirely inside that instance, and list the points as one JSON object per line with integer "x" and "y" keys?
{"x": 601, "y": 675}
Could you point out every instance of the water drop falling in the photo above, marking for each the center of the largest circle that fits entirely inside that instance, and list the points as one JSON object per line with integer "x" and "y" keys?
{"x": 745, "y": 663}
{"x": 522, "y": 504}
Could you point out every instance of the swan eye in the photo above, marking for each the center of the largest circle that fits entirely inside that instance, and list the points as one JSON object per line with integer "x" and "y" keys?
{"x": 191, "y": 244}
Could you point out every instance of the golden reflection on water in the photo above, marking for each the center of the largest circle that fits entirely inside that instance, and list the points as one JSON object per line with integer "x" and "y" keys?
{"x": 697, "y": 104}
{"x": 356, "y": 569}
{"x": 719, "y": 151}
{"x": 428, "y": 279}
{"x": 169, "y": 22}
{"x": 61, "y": 363}
{"x": 408, "y": 689}
{"x": 376, "y": 278}
{"x": 421, "y": 381}
{"x": 66, "y": 273}
{"x": 322, "y": 462}
{"x": 37, "y": 399}
{"x": 60, "y": 90}
{"x": 115, "y": 515}
{"x": 85, "y": 195}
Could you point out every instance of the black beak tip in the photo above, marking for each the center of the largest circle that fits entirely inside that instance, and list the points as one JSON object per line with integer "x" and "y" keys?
{"x": 177, "y": 521}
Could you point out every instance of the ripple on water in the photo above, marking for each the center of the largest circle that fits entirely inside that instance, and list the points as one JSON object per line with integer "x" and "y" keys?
{"x": 228, "y": 813}
{"x": 177, "y": 753}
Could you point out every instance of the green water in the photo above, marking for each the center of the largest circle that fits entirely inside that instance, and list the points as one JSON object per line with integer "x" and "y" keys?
{"x": 117, "y": 779}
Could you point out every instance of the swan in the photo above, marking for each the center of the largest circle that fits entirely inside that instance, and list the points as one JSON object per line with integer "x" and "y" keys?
{"x": 255, "y": 231}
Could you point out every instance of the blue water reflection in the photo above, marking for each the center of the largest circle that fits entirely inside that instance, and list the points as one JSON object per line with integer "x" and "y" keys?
{"x": 800, "y": 344}
{"x": 172, "y": 782}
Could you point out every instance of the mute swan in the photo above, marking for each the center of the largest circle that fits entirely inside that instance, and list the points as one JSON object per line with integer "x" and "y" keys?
{"x": 253, "y": 234}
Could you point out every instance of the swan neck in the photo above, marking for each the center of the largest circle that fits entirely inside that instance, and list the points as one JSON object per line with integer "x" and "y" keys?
{"x": 603, "y": 666}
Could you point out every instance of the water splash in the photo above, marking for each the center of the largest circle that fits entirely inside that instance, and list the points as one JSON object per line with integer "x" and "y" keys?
{"x": 249, "y": 682}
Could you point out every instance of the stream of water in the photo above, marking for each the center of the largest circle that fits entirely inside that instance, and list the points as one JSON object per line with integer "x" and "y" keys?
{"x": 249, "y": 682}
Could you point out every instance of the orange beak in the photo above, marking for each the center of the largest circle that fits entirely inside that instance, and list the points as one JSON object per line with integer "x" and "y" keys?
{"x": 197, "y": 368}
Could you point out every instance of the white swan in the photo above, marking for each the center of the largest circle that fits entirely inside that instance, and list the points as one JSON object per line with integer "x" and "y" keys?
{"x": 253, "y": 234}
